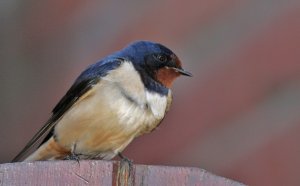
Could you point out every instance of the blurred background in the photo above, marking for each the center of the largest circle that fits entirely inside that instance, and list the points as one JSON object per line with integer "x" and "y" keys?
{"x": 238, "y": 117}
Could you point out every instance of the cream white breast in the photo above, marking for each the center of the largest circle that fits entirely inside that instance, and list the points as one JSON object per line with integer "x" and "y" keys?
{"x": 112, "y": 113}
{"x": 135, "y": 105}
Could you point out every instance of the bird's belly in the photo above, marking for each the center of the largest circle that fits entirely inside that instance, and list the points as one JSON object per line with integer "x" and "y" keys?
{"x": 103, "y": 123}
{"x": 106, "y": 138}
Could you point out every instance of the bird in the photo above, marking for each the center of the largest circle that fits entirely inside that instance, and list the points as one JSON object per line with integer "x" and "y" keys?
{"x": 113, "y": 101}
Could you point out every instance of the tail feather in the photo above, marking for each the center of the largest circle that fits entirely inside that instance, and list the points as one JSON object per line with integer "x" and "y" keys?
{"x": 50, "y": 150}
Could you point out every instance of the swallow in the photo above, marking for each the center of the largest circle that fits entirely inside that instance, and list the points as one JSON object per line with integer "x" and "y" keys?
{"x": 113, "y": 101}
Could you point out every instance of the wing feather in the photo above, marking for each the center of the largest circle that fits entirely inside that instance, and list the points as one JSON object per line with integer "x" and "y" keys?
{"x": 83, "y": 84}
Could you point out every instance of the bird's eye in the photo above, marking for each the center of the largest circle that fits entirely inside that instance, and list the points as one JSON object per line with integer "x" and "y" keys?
{"x": 162, "y": 58}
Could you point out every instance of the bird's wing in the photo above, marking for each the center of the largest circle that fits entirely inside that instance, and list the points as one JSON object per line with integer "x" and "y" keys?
{"x": 82, "y": 85}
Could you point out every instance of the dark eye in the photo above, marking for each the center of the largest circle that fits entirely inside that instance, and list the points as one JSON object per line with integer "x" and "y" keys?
{"x": 162, "y": 58}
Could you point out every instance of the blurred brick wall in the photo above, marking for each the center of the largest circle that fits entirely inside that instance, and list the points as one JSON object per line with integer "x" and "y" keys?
{"x": 239, "y": 116}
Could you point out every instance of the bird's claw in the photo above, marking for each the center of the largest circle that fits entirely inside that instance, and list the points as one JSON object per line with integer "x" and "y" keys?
{"x": 73, "y": 155}
{"x": 125, "y": 159}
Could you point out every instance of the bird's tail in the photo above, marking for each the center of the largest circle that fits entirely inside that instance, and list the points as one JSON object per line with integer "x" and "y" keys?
{"x": 50, "y": 150}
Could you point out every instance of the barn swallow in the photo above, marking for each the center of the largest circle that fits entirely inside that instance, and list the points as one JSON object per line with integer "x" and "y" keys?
{"x": 113, "y": 101}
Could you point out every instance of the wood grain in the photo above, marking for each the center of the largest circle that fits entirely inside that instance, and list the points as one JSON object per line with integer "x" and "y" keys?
{"x": 90, "y": 172}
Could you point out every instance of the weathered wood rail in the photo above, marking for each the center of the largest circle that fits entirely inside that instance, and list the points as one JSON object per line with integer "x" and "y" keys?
{"x": 106, "y": 173}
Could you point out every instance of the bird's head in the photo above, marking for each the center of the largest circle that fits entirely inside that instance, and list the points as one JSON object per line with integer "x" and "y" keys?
{"x": 155, "y": 60}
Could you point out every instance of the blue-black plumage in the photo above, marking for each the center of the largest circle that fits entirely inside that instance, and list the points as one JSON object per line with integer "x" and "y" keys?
{"x": 122, "y": 96}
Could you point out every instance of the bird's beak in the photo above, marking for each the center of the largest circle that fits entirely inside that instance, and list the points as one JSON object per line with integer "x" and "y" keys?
{"x": 183, "y": 72}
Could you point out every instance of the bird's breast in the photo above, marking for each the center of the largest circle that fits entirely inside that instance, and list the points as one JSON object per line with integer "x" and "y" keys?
{"x": 111, "y": 114}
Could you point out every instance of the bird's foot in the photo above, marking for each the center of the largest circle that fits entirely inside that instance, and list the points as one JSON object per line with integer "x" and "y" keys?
{"x": 73, "y": 155}
{"x": 125, "y": 159}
